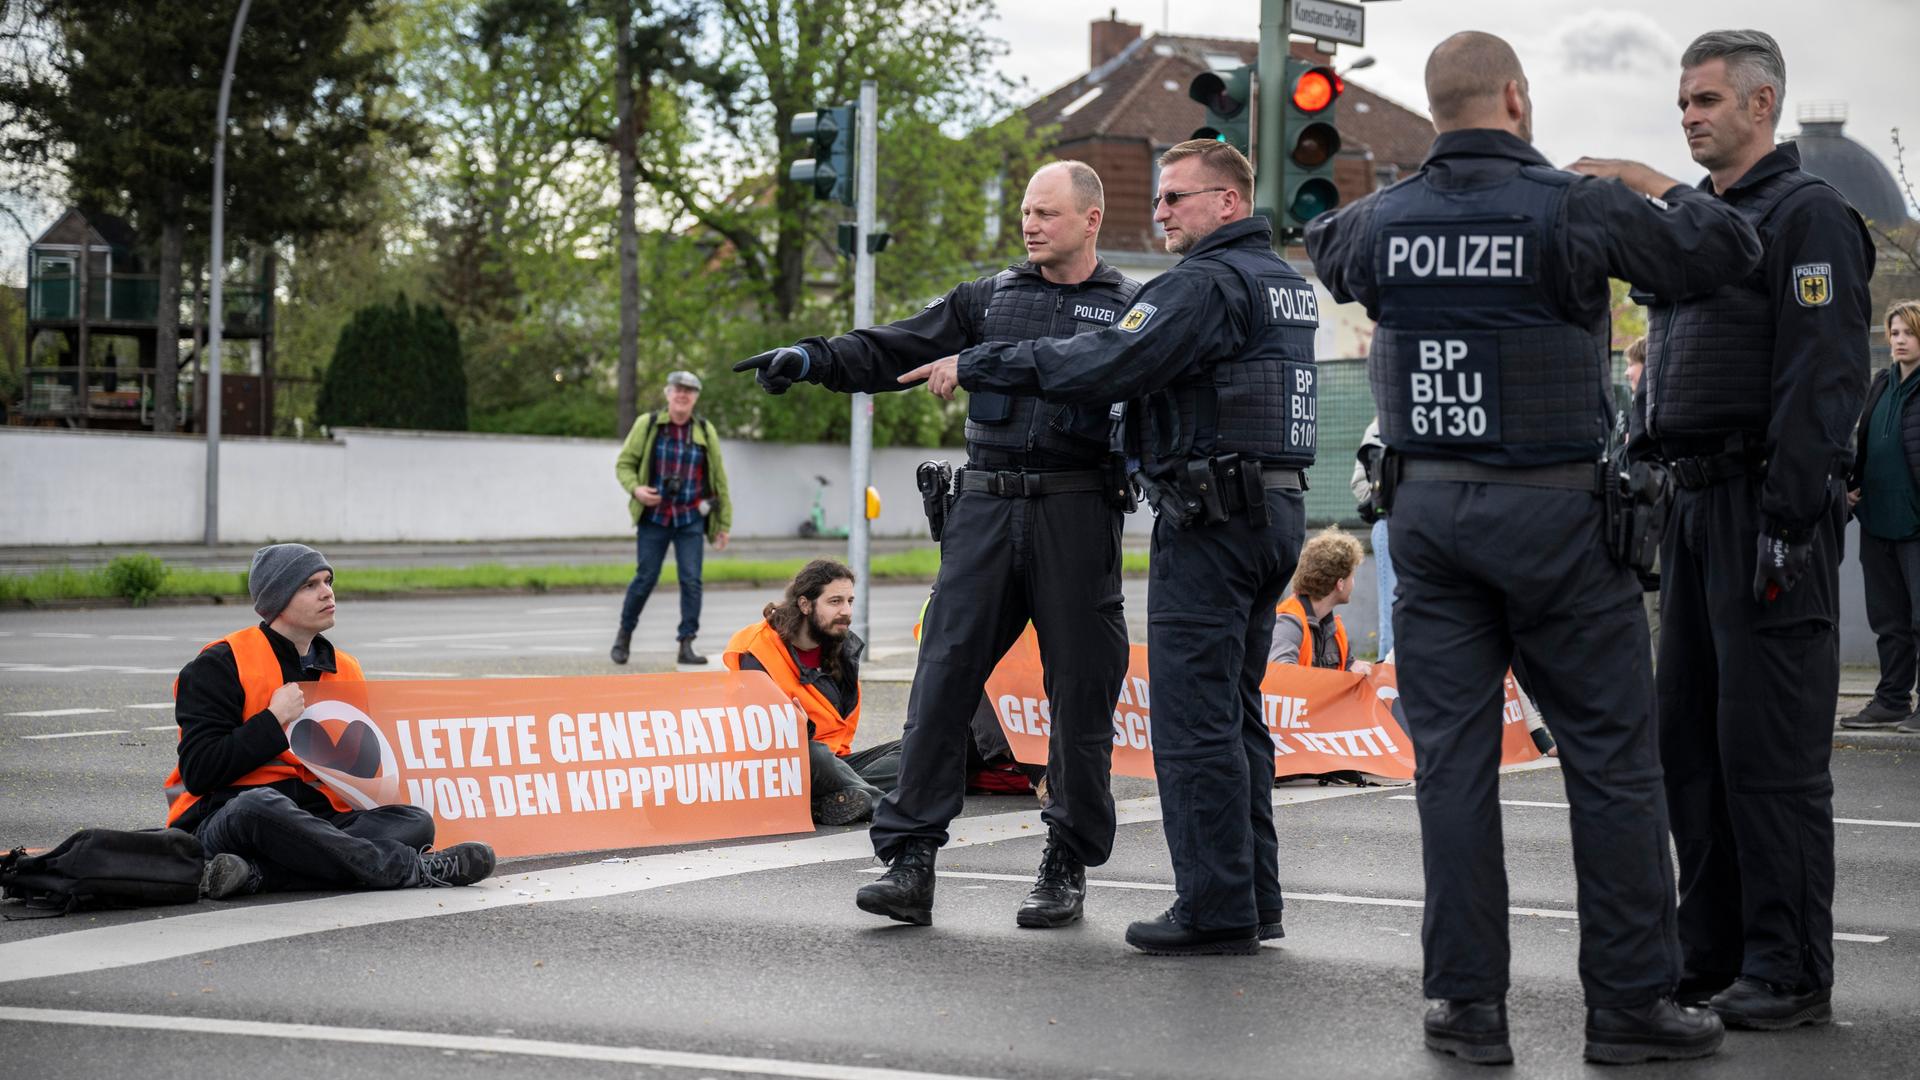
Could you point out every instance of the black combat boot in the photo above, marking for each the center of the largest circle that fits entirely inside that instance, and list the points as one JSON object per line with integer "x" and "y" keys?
{"x": 1271, "y": 928}
{"x": 1059, "y": 893}
{"x": 622, "y": 644}
{"x": 687, "y": 655}
{"x": 1758, "y": 1005}
{"x": 1165, "y": 937}
{"x": 1656, "y": 1031}
{"x": 1471, "y": 1030}
{"x": 905, "y": 892}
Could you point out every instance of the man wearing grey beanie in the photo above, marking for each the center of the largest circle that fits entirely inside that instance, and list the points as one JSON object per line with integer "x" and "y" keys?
{"x": 266, "y": 820}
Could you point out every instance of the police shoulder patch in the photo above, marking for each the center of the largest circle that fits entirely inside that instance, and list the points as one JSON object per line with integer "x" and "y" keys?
{"x": 1813, "y": 284}
{"x": 1136, "y": 319}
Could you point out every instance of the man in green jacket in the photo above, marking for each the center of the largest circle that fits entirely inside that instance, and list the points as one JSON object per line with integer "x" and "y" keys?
{"x": 677, "y": 494}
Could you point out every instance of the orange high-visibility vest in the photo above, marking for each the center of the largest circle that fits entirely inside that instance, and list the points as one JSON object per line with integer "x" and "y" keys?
{"x": 1292, "y": 608}
{"x": 764, "y": 642}
{"x": 259, "y": 677}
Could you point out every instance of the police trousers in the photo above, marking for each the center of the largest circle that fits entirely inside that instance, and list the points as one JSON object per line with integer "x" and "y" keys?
{"x": 1053, "y": 560}
{"x": 1747, "y": 694}
{"x": 1210, "y": 600}
{"x": 1489, "y": 571}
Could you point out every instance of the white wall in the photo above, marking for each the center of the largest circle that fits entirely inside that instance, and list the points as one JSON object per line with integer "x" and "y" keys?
{"x": 89, "y": 487}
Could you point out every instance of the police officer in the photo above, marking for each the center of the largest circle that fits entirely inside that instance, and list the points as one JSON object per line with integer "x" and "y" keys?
{"x": 1220, "y": 348}
{"x": 1750, "y": 392}
{"x": 1487, "y": 275}
{"x": 1033, "y": 535}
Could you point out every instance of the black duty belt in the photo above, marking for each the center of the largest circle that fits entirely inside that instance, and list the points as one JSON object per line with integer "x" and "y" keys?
{"x": 1694, "y": 473}
{"x": 1014, "y": 484}
{"x": 1572, "y": 475}
{"x": 1283, "y": 480}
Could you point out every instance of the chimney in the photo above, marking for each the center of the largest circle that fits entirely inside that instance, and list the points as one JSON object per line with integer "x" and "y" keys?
{"x": 1111, "y": 37}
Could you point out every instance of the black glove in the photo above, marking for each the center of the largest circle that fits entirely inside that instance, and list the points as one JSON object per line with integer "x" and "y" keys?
{"x": 777, "y": 369}
{"x": 1784, "y": 557}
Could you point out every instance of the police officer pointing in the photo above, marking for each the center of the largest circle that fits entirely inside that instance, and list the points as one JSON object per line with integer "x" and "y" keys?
{"x": 1219, "y": 353}
{"x": 1487, "y": 275}
{"x": 1034, "y": 534}
{"x": 1750, "y": 393}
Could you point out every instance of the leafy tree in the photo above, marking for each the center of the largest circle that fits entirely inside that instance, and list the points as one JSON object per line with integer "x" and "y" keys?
{"x": 125, "y": 104}
{"x": 397, "y": 366}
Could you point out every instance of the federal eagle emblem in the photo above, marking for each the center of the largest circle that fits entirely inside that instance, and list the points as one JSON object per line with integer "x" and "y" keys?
{"x": 1136, "y": 320}
{"x": 1813, "y": 284}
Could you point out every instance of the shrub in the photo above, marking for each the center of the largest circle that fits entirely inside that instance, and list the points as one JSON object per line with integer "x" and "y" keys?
{"x": 136, "y": 577}
{"x": 396, "y": 366}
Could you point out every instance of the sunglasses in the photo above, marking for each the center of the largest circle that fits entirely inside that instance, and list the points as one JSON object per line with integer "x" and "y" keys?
{"x": 1172, "y": 198}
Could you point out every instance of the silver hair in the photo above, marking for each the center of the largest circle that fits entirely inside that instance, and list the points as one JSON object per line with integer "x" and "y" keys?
{"x": 1753, "y": 61}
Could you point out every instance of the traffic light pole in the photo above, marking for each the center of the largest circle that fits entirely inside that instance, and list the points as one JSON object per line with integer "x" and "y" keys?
{"x": 861, "y": 470}
{"x": 1270, "y": 153}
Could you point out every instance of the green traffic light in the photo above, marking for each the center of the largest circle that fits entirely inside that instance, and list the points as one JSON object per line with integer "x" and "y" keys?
{"x": 1314, "y": 197}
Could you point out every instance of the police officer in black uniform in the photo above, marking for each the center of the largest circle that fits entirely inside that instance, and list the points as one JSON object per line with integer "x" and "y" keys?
{"x": 1750, "y": 393}
{"x": 1033, "y": 535}
{"x": 1220, "y": 349}
{"x": 1487, "y": 274}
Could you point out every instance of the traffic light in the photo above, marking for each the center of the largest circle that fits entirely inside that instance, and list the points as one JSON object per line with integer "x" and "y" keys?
{"x": 1226, "y": 96}
{"x": 1310, "y": 141}
{"x": 829, "y": 172}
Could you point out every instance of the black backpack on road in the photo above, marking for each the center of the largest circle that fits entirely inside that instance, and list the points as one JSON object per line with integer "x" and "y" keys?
{"x": 105, "y": 868}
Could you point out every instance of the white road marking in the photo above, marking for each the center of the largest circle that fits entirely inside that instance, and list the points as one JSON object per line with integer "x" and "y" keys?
{"x": 1324, "y": 898}
{"x": 82, "y": 669}
{"x": 479, "y": 1044}
{"x": 595, "y": 609}
{"x": 59, "y": 712}
{"x": 77, "y": 734}
{"x": 416, "y": 674}
{"x": 1836, "y": 821}
{"x": 52, "y": 634}
{"x": 148, "y": 940}
{"x": 140, "y": 637}
{"x": 162, "y": 727}
{"x": 153, "y": 705}
{"x": 515, "y": 634}
{"x": 480, "y": 646}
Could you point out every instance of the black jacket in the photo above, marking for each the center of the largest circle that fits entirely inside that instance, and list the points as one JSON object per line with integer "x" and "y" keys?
{"x": 1909, "y": 429}
{"x": 218, "y": 745}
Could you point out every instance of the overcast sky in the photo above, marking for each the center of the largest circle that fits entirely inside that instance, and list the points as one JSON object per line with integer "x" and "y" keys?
{"x": 1603, "y": 72}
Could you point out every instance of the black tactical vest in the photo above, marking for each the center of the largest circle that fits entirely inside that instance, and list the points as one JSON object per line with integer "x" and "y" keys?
{"x": 1261, "y": 403}
{"x": 1710, "y": 360}
{"x": 1019, "y": 430}
{"x": 1475, "y": 356}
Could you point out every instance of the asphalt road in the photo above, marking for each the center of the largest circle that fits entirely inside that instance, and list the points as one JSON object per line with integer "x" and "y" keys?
{"x": 749, "y": 958}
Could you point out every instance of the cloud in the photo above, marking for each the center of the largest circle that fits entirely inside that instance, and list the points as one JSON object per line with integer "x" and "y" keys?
{"x": 1606, "y": 42}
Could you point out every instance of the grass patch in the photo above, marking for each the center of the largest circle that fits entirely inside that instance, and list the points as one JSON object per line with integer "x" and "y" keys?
{"x": 67, "y": 583}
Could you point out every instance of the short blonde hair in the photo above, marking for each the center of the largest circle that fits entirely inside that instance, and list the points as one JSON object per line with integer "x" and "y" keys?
{"x": 1331, "y": 556}
{"x": 1221, "y": 159}
{"x": 1909, "y": 313}
{"x": 1637, "y": 351}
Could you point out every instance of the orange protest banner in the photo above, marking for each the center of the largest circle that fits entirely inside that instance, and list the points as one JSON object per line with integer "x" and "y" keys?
{"x": 535, "y": 766}
{"x": 1320, "y": 720}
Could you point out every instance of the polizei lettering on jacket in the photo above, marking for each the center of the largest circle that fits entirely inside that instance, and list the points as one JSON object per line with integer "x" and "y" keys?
{"x": 1291, "y": 304}
{"x": 1094, "y": 313}
{"x": 1450, "y": 256}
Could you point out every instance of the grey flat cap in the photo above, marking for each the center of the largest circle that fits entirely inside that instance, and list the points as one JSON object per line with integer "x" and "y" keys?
{"x": 683, "y": 378}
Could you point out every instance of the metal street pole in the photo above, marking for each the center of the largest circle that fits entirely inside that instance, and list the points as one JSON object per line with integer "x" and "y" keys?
{"x": 858, "y": 540}
{"x": 211, "y": 406}
{"x": 1269, "y": 185}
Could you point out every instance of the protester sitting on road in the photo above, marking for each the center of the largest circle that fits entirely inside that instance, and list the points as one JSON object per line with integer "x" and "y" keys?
{"x": 1884, "y": 492}
{"x": 266, "y": 821}
{"x": 677, "y": 496}
{"x": 807, "y": 646}
{"x": 1305, "y": 630}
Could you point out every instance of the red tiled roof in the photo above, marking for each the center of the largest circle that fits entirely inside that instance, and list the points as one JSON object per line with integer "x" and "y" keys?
{"x": 1142, "y": 94}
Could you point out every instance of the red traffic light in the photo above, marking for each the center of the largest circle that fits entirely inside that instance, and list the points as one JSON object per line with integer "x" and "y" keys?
{"x": 1317, "y": 89}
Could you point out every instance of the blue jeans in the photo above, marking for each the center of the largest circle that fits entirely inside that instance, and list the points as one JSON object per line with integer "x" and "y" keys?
{"x": 650, "y": 545}
{"x": 296, "y": 850}
{"x": 1383, "y": 570}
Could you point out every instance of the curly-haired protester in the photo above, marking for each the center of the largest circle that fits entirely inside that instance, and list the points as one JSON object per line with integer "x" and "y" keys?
{"x": 806, "y": 645}
{"x": 1305, "y": 629}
